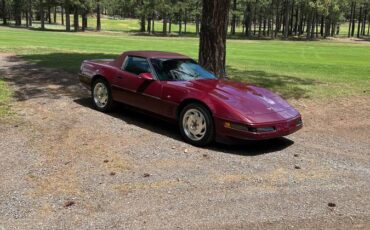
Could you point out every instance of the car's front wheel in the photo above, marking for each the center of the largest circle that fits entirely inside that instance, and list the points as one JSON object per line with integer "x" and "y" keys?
{"x": 196, "y": 124}
{"x": 102, "y": 96}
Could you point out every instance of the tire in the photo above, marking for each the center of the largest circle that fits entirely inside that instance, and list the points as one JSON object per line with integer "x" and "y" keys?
{"x": 196, "y": 125}
{"x": 101, "y": 96}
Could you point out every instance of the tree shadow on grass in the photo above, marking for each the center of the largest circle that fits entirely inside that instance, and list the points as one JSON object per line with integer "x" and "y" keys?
{"x": 287, "y": 86}
{"x": 33, "y": 80}
{"x": 49, "y": 75}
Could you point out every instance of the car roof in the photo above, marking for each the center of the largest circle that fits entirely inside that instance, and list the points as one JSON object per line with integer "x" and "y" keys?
{"x": 155, "y": 54}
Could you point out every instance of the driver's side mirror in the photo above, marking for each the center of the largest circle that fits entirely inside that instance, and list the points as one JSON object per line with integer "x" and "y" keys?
{"x": 146, "y": 76}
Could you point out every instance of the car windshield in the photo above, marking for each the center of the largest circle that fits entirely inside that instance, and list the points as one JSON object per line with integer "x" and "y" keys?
{"x": 179, "y": 70}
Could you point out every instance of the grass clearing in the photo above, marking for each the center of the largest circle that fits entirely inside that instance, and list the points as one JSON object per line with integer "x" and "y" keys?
{"x": 5, "y": 95}
{"x": 295, "y": 69}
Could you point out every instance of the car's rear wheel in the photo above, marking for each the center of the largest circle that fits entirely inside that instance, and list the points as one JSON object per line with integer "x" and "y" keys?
{"x": 196, "y": 124}
{"x": 102, "y": 96}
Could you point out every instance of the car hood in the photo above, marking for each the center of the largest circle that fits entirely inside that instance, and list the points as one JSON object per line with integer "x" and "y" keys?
{"x": 247, "y": 99}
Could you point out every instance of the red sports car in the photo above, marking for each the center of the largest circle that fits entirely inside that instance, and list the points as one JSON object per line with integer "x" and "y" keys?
{"x": 174, "y": 86}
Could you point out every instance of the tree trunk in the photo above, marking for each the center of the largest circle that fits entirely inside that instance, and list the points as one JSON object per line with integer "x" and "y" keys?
{"x": 84, "y": 20}
{"x": 18, "y": 12}
{"x": 62, "y": 14}
{"x": 27, "y": 20}
{"x": 248, "y": 20}
{"x": 164, "y": 31}
{"x": 4, "y": 11}
{"x": 350, "y": 20}
{"x": 212, "y": 42}
{"x": 30, "y": 17}
{"x": 322, "y": 26}
{"x": 353, "y": 20}
{"x": 296, "y": 20}
{"x": 259, "y": 24}
{"x": 286, "y": 20}
{"x": 290, "y": 32}
{"x": 197, "y": 21}
{"x": 42, "y": 15}
{"x": 180, "y": 24}
{"x": 68, "y": 18}
{"x": 55, "y": 15}
{"x": 359, "y": 22}
{"x": 309, "y": 22}
{"x": 98, "y": 21}
{"x": 170, "y": 26}
{"x": 149, "y": 28}
{"x": 185, "y": 21}
{"x": 49, "y": 15}
{"x": 233, "y": 21}
{"x": 153, "y": 19}
{"x": 277, "y": 20}
{"x": 366, "y": 12}
{"x": 142, "y": 23}
{"x": 76, "y": 25}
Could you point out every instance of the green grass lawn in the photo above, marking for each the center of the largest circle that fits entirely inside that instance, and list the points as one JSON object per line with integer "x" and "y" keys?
{"x": 295, "y": 69}
{"x": 5, "y": 95}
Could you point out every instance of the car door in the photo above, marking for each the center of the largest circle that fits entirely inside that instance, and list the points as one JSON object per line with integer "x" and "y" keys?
{"x": 136, "y": 91}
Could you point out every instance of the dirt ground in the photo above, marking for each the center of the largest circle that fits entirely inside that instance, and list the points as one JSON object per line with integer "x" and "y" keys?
{"x": 64, "y": 165}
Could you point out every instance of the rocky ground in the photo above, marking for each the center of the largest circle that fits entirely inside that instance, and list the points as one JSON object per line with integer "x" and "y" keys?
{"x": 64, "y": 165}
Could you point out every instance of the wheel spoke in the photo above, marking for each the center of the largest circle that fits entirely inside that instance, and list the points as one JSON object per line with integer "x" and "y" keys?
{"x": 194, "y": 124}
{"x": 101, "y": 96}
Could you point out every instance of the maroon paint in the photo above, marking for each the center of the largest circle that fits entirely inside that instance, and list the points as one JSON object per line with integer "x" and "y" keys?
{"x": 228, "y": 101}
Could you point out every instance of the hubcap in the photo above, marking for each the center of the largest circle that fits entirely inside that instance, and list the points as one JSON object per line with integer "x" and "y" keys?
{"x": 100, "y": 95}
{"x": 194, "y": 124}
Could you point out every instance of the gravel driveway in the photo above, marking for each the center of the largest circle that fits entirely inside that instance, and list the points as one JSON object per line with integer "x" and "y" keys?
{"x": 64, "y": 165}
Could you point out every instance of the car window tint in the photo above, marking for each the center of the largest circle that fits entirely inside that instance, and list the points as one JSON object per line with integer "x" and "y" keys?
{"x": 137, "y": 65}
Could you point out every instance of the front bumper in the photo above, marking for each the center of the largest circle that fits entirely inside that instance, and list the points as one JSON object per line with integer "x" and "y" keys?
{"x": 281, "y": 128}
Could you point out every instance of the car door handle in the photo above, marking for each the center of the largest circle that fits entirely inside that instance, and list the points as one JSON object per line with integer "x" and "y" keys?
{"x": 119, "y": 77}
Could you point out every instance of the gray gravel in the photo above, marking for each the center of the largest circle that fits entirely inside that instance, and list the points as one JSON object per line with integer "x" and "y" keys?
{"x": 65, "y": 165}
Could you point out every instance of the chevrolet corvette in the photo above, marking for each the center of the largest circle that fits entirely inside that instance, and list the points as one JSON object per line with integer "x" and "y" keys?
{"x": 175, "y": 87}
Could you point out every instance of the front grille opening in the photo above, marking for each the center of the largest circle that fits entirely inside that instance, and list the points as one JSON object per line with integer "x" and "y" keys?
{"x": 263, "y": 129}
{"x": 251, "y": 129}
{"x": 299, "y": 122}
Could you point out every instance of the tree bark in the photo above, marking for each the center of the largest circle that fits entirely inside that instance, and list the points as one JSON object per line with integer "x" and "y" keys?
{"x": 197, "y": 22}
{"x": 170, "y": 26}
{"x": 4, "y": 11}
{"x": 212, "y": 42}
{"x": 233, "y": 20}
{"x": 84, "y": 20}
{"x": 350, "y": 20}
{"x": 248, "y": 20}
{"x": 30, "y": 17}
{"x": 62, "y": 14}
{"x": 153, "y": 19}
{"x": 18, "y": 12}
{"x": 98, "y": 21}
{"x": 286, "y": 19}
{"x": 68, "y": 18}
{"x": 142, "y": 23}
{"x": 353, "y": 20}
{"x": 366, "y": 12}
{"x": 42, "y": 15}
{"x": 27, "y": 19}
{"x": 164, "y": 31}
{"x": 149, "y": 29}
{"x": 49, "y": 15}
{"x": 55, "y": 14}
{"x": 359, "y": 23}
{"x": 76, "y": 19}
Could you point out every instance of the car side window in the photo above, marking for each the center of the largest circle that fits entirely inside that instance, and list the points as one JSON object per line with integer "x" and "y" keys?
{"x": 136, "y": 65}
